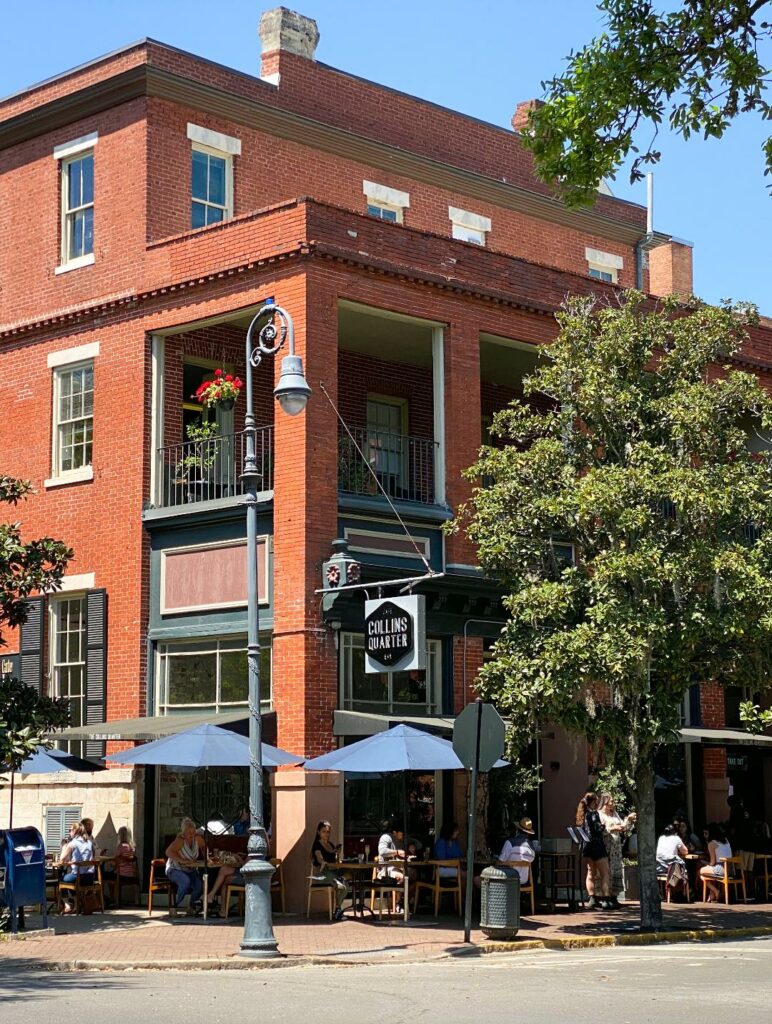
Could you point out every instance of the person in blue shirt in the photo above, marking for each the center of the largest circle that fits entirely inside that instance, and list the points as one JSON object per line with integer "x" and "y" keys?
{"x": 448, "y": 847}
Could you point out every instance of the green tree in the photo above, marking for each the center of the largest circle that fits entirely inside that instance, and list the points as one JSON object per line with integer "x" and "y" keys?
{"x": 696, "y": 68}
{"x": 643, "y": 467}
{"x": 26, "y": 568}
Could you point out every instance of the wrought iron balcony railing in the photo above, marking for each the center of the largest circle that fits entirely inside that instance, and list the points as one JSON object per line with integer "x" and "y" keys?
{"x": 195, "y": 471}
{"x": 403, "y": 465}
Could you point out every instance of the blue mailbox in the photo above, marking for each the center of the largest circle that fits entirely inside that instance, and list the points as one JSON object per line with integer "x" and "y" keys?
{"x": 23, "y": 860}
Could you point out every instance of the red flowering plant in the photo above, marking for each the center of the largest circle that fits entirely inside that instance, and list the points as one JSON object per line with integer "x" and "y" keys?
{"x": 222, "y": 389}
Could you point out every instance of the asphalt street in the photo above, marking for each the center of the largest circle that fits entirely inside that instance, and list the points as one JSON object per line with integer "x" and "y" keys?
{"x": 690, "y": 984}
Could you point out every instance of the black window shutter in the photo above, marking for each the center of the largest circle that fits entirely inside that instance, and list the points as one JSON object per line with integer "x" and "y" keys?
{"x": 31, "y": 645}
{"x": 96, "y": 666}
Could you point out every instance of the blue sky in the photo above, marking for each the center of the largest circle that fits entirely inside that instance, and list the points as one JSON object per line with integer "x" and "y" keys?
{"x": 480, "y": 58}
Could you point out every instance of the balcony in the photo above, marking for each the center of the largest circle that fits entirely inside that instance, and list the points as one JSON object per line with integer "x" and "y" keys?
{"x": 403, "y": 465}
{"x": 204, "y": 471}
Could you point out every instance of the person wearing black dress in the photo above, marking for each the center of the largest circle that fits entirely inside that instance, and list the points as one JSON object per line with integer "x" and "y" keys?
{"x": 324, "y": 857}
{"x": 594, "y": 853}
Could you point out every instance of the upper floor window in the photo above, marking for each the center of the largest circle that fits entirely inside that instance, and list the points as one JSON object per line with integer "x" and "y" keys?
{"x": 468, "y": 227}
{"x": 77, "y": 198}
{"x": 603, "y": 266}
{"x": 74, "y": 415}
{"x": 384, "y": 202}
{"x": 211, "y": 175}
{"x": 209, "y": 675}
{"x": 400, "y": 693}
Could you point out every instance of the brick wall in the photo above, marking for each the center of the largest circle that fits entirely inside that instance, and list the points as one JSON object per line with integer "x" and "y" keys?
{"x": 469, "y": 652}
{"x": 363, "y": 375}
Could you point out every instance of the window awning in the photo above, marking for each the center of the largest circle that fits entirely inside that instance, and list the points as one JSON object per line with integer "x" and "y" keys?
{"x": 726, "y": 737}
{"x": 139, "y": 729}
{"x": 363, "y": 723}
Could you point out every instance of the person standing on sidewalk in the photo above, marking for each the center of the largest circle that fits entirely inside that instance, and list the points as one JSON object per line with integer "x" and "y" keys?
{"x": 594, "y": 852}
{"x": 616, "y": 828}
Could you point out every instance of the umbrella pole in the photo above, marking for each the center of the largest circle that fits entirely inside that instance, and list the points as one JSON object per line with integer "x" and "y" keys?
{"x": 404, "y": 843}
{"x": 10, "y": 812}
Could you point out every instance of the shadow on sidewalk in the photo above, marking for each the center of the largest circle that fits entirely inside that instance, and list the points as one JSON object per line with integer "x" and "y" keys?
{"x": 30, "y": 978}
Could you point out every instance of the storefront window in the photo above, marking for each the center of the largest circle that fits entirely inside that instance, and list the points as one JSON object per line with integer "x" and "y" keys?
{"x": 400, "y": 693}
{"x": 371, "y": 799}
{"x": 209, "y": 675}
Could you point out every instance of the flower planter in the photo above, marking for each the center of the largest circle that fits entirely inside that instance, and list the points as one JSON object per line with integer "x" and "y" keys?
{"x": 225, "y": 403}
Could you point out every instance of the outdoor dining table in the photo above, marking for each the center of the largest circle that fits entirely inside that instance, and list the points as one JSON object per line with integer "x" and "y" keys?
{"x": 361, "y": 880}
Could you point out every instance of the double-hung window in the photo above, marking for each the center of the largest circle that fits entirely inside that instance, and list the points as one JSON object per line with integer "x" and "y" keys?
{"x": 467, "y": 226}
{"x": 76, "y": 160}
{"x": 68, "y": 656}
{"x": 211, "y": 176}
{"x": 74, "y": 415}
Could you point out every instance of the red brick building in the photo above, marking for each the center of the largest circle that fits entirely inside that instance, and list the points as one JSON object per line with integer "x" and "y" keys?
{"x": 155, "y": 200}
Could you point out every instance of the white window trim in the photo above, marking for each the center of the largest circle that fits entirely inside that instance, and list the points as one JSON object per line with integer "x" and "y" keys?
{"x": 68, "y": 149}
{"x": 221, "y": 155}
{"x": 386, "y": 197}
{"x": 603, "y": 270}
{"x": 78, "y": 581}
{"x": 468, "y": 219}
{"x": 82, "y": 473}
{"x": 433, "y": 650}
{"x": 76, "y": 151}
{"x": 224, "y": 145}
{"x": 77, "y": 354}
{"x": 604, "y": 260}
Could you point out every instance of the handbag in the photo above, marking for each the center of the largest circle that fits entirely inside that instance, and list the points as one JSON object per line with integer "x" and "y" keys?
{"x": 89, "y": 901}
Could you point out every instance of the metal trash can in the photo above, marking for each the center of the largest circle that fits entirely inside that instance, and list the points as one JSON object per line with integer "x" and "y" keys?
{"x": 500, "y": 902}
{"x": 23, "y": 858}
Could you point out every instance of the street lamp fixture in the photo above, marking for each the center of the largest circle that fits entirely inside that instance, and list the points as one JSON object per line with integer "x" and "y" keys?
{"x": 292, "y": 394}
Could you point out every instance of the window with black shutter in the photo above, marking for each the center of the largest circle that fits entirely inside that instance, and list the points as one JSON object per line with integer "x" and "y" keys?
{"x": 31, "y": 645}
{"x": 96, "y": 666}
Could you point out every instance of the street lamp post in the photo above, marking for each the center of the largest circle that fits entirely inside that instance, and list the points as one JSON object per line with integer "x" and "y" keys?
{"x": 291, "y": 393}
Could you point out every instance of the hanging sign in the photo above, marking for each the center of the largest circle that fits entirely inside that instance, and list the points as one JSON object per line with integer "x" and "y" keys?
{"x": 395, "y": 634}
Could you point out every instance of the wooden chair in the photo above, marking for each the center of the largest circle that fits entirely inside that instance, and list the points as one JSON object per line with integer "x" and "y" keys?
{"x": 52, "y": 883}
{"x": 733, "y": 876}
{"x": 83, "y": 883}
{"x": 277, "y": 886}
{"x": 117, "y": 881}
{"x": 667, "y": 890}
{"x": 160, "y": 884}
{"x": 380, "y": 887}
{"x": 526, "y": 888}
{"x": 441, "y": 885}
{"x": 313, "y": 886}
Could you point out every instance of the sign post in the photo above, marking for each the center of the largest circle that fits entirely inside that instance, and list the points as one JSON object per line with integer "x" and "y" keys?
{"x": 478, "y": 740}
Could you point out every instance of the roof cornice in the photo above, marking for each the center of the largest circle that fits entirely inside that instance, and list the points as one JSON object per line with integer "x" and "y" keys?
{"x": 151, "y": 81}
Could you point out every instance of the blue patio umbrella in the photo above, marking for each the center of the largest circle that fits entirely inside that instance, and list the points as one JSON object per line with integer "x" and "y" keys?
{"x": 204, "y": 746}
{"x": 46, "y": 762}
{"x": 402, "y": 748}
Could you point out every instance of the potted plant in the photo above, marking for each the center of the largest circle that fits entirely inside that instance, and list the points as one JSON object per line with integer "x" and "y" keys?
{"x": 220, "y": 392}
{"x": 193, "y": 468}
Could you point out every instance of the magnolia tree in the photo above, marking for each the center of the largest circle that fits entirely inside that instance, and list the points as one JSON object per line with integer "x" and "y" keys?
{"x": 26, "y": 568}
{"x": 643, "y": 466}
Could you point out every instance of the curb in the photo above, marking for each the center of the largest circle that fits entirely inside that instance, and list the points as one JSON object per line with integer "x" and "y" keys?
{"x": 235, "y": 963}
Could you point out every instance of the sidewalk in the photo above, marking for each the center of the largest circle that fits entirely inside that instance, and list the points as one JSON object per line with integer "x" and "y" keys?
{"x": 126, "y": 938}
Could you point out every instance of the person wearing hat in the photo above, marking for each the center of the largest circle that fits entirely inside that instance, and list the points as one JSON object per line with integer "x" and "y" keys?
{"x": 522, "y": 846}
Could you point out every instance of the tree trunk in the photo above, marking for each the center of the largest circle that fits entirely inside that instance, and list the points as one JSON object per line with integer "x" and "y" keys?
{"x": 651, "y": 905}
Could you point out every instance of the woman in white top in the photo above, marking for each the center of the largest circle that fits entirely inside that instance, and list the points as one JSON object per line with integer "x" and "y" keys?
{"x": 184, "y": 855}
{"x": 389, "y": 849}
{"x": 670, "y": 848}
{"x": 718, "y": 847}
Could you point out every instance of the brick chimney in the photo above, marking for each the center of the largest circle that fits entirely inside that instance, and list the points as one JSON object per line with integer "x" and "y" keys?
{"x": 670, "y": 269}
{"x": 285, "y": 31}
{"x": 520, "y": 116}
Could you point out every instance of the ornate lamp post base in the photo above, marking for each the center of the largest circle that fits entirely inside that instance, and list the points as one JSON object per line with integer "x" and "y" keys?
{"x": 258, "y": 940}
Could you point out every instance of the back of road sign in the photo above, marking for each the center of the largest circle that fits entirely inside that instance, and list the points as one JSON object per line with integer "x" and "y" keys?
{"x": 492, "y": 732}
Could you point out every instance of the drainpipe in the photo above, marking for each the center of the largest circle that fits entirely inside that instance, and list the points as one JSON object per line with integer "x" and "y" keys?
{"x": 645, "y": 243}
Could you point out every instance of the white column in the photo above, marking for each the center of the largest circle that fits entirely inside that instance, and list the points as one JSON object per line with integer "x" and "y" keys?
{"x": 157, "y": 352}
{"x": 438, "y": 381}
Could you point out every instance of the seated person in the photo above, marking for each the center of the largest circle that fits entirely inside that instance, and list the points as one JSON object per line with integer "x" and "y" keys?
{"x": 670, "y": 849}
{"x": 448, "y": 847}
{"x": 77, "y": 855}
{"x": 184, "y": 855}
{"x": 241, "y": 825}
{"x": 390, "y": 848}
{"x": 324, "y": 858}
{"x": 718, "y": 847}
{"x": 229, "y": 873}
{"x": 521, "y": 846}
{"x": 687, "y": 837}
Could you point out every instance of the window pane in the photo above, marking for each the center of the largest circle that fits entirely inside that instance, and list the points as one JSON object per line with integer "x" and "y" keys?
{"x": 198, "y": 215}
{"x": 87, "y": 179}
{"x": 199, "y": 173}
{"x": 216, "y": 180}
{"x": 73, "y": 184}
{"x": 192, "y": 680}
{"x": 214, "y": 215}
{"x": 388, "y": 215}
{"x": 234, "y": 681}
{"x": 88, "y": 231}
{"x": 371, "y": 687}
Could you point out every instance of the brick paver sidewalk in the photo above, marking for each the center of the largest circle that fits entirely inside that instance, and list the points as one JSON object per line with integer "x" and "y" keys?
{"x": 127, "y": 937}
